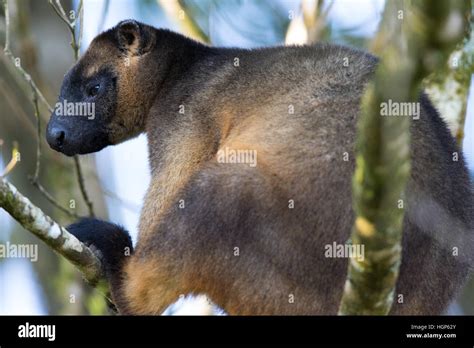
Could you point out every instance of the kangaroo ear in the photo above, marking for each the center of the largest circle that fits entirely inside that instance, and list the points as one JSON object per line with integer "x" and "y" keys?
{"x": 133, "y": 38}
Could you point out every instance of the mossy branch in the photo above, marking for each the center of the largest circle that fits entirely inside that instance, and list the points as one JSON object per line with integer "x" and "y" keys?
{"x": 33, "y": 218}
{"x": 422, "y": 35}
{"x": 54, "y": 235}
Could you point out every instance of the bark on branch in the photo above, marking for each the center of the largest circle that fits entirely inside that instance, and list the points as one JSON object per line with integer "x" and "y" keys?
{"x": 54, "y": 235}
{"x": 421, "y": 36}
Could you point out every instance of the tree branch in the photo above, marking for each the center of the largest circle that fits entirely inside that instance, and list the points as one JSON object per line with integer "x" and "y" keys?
{"x": 36, "y": 95}
{"x": 76, "y": 46}
{"x": 82, "y": 186}
{"x": 176, "y": 11}
{"x": 382, "y": 157}
{"x": 57, "y": 237}
{"x": 35, "y": 90}
{"x": 71, "y": 25}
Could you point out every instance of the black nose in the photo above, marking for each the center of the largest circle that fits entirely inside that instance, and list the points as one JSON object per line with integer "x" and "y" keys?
{"x": 56, "y": 136}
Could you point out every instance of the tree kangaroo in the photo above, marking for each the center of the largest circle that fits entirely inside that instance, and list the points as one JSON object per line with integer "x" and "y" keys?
{"x": 252, "y": 155}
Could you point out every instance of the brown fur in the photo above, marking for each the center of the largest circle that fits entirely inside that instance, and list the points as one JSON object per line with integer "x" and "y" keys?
{"x": 299, "y": 157}
{"x": 135, "y": 88}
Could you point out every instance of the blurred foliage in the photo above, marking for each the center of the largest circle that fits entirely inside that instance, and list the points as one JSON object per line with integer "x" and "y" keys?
{"x": 58, "y": 282}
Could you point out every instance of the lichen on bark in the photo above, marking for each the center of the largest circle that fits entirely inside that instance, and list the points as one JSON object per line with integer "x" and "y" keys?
{"x": 57, "y": 237}
{"x": 415, "y": 39}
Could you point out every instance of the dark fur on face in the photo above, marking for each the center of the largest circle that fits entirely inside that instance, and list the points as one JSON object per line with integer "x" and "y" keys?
{"x": 104, "y": 80}
{"x": 81, "y": 134}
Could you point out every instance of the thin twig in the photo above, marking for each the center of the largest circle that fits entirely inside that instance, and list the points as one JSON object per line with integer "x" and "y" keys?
{"x": 38, "y": 137}
{"x": 52, "y": 200}
{"x": 10, "y": 55}
{"x": 80, "y": 180}
{"x": 81, "y": 22}
{"x": 61, "y": 15}
{"x": 7, "y": 26}
{"x": 76, "y": 45}
{"x": 35, "y": 179}
{"x": 71, "y": 25}
{"x": 36, "y": 96}
{"x": 13, "y": 161}
{"x": 10, "y": 98}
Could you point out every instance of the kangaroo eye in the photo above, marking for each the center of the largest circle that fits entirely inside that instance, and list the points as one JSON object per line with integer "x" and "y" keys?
{"x": 92, "y": 92}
